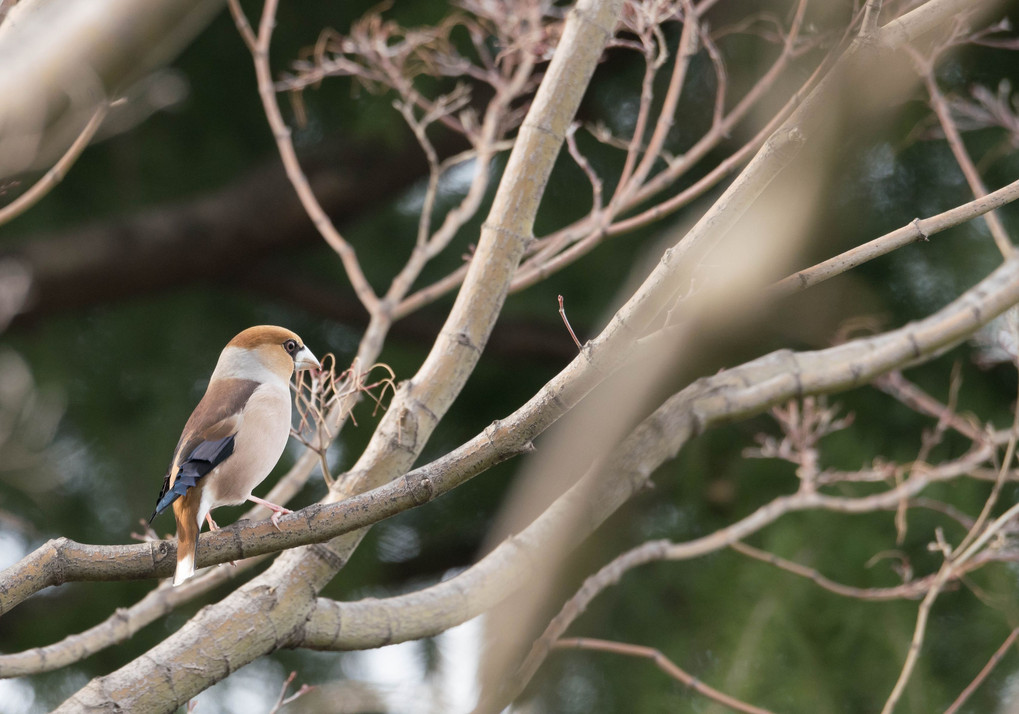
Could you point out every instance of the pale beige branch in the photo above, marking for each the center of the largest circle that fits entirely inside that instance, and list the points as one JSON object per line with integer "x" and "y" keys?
{"x": 119, "y": 627}
{"x": 962, "y": 157}
{"x": 920, "y": 229}
{"x": 56, "y": 174}
{"x": 281, "y": 598}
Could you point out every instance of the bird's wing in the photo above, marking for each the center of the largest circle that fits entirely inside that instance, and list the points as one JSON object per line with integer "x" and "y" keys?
{"x": 208, "y": 438}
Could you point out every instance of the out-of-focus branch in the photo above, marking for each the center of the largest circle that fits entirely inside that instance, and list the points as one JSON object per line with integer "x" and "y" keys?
{"x": 63, "y": 59}
{"x": 962, "y": 157}
{"x": 233, "y": 229}
{"x": 56, "y": 174}
{"x": 663, "y": 663}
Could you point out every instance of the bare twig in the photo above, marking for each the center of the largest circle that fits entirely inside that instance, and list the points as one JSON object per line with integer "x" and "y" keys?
{"x": 911, "y": 590}
{"x": 983, "y": 673}
{"x": 562, "y": 314}
{"x": 918, "y": 229}
{"x": 962, "y": 157}
{"x": 283, "y": 699}
{"x": 259, "y": 46}
{"x": 56, "y": 174}
{"x": 663, "y": 663}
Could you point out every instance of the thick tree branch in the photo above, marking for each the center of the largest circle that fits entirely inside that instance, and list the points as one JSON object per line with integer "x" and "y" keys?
{"x": 729, "y": 396}
{"x": 63, "y": 59}
{"x": 63, "y": 560}
{"x": 281, "y": 598}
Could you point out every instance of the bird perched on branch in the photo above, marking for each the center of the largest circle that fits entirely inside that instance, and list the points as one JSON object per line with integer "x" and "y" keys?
{"x": 235, "y": 435}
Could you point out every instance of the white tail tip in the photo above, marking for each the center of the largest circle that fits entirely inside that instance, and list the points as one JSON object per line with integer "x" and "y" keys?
{"x": 185, "y": 569}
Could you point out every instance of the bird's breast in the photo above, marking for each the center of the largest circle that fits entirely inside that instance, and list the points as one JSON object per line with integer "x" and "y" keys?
{"x": 258, "y": 444}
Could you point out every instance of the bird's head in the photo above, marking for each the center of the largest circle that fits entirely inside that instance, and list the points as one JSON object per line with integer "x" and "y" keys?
{"x": 262, "y": 350}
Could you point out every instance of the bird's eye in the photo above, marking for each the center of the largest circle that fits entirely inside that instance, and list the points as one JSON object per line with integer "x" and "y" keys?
{"x": 290, "y": 346}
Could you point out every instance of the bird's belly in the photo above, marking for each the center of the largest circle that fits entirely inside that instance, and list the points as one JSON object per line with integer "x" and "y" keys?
{"x": 258, "y": 445}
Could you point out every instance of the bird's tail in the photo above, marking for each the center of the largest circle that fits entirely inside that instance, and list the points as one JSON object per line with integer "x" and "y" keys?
{"x": 186, "y": 511}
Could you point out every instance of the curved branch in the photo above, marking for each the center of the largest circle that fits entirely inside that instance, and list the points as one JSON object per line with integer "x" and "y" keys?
{"x": 63, "y": 560}
{"x": 259, "y": 46}
{"x": 63, "y": 59}
{"x": 281, "y": 598}
{"x": 56, "y": 174}
{"x": 119, "y": 627}
{"x": 734, "y": 394}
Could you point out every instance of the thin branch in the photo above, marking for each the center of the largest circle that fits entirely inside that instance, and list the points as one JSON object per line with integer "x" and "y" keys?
{"x": 284, "y": 142}
{"x": 590, "y": 231}
{"x": 950, "y": 568}
{"x": 56, "y": 174}
{"x": 763, "y": 516}
{"x": 962, "y": 157}
{"x": 663, "y": 663}
{"x": 999, "y": 482}
{"x": 629, "y": 182}
{"x": 562, "y": 314}
{"x": 983, "y": 674}
{"x": 917, "y": 230}
{"x": 916, "y": 643}
{"x": 911, "y": 590}
{"x": 909, "y": 394}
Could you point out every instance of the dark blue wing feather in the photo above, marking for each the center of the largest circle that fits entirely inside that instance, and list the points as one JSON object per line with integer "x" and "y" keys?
{"x": 203, "y": 459}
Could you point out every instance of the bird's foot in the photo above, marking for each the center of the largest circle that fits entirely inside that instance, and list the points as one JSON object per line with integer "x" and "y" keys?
{"x": 277, "y": 511}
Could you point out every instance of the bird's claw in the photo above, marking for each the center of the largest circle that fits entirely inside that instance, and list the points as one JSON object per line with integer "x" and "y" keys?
{"x": 275, "y": 517}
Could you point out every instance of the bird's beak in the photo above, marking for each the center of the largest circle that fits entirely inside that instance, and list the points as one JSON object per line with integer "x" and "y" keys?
{"x": 304, "y": 359}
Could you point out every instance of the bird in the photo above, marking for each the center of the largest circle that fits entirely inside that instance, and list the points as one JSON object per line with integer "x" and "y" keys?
{"x": 235, "y": 435}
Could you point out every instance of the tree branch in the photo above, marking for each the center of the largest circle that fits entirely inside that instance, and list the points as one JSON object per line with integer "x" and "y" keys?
{"x": 281, "y": 597}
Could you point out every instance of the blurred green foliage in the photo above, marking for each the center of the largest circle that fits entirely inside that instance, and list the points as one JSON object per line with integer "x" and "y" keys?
{"x": 131, "y": 372}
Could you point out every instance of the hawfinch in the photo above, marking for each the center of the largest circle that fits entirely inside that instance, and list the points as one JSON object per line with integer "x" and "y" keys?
{"x": 235, "y": 435}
